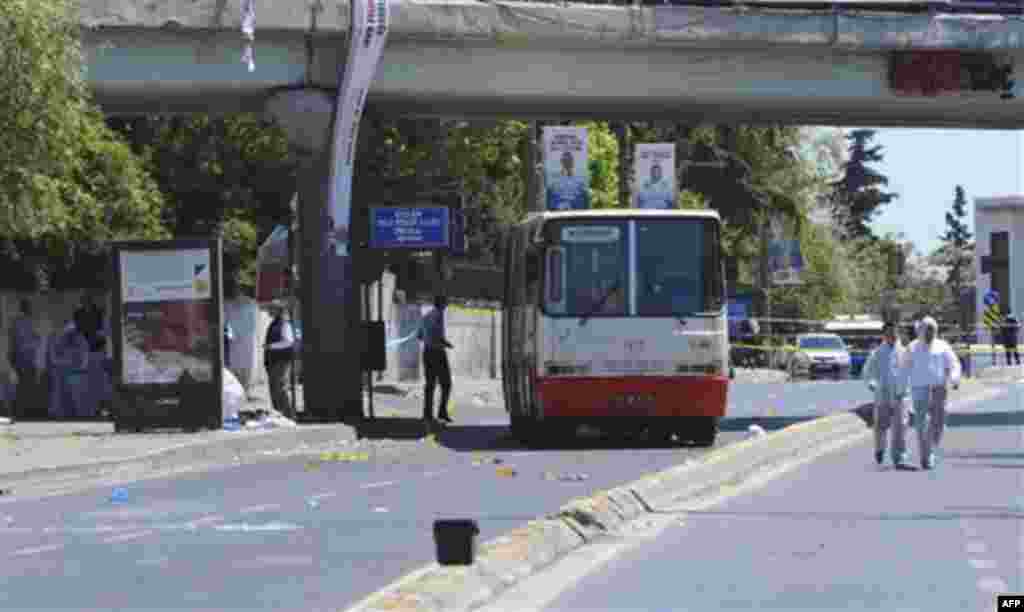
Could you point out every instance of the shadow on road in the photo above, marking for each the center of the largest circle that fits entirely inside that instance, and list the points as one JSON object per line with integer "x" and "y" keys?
{"x": 389, "y": 428}
{"x": 957, "y": 419}
{"x": 973, "y": 513}
{"x": 963, "y": 455}
{"x": 470, "y": 438}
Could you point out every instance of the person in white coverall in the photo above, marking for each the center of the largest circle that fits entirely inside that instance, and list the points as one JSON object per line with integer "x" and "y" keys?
{"x": 930, "y": 366}
{"x": 884, "y": 374}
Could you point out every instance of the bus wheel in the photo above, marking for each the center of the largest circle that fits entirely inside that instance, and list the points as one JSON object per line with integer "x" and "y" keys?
{"x": 704, "y": 432}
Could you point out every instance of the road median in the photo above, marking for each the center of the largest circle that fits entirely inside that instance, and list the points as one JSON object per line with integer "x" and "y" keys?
{"x": 506, "y": 560}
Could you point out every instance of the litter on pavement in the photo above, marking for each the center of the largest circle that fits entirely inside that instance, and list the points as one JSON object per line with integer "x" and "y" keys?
{"x": 119, "y": 495}
{"x": 505, "y": 471}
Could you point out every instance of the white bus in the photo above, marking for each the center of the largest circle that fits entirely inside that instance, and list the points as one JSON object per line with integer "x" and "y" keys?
{"x": 615, "y": 319}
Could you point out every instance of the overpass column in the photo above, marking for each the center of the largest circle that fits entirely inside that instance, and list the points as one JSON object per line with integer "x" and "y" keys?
{"x": 332, "y": 384}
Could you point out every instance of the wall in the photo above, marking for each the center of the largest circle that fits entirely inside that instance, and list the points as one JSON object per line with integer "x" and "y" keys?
{"x": 475, "y": 333}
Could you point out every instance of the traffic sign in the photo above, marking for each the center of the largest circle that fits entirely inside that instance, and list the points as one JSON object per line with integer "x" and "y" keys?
{"x": 992, "y": 297}
{"x": 417, "y": 228}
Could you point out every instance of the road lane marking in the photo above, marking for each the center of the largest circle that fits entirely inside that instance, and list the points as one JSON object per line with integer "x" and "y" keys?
{"x": 124, "y": 537}
{"x": 320, "y": 496}
{"x": 375, "y": 485}
{"x": 262, "y": 508}
{"x": 992, "y": 584}
{"x": 976, "y": 547}
{"x": 36, "y": 550}
{"x": 982, "y": 563}
{"x": 435, "y": 473}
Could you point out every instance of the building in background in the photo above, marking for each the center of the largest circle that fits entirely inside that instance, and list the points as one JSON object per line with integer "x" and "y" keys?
{"x": 999, "y": 232}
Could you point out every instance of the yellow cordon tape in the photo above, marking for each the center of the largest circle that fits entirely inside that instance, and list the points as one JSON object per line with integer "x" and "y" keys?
{"x": 974, "y": 348}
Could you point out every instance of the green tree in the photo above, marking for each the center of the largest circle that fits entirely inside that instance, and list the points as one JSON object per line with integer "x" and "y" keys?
{"x": 234, "y": 175}
{"x": 957, "y": 245}
{"x": 67, "y": 183}
{"x": 858, "y": 195}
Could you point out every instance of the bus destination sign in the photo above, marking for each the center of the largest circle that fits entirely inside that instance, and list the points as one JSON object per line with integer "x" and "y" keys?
{"x": 590, "y": 234}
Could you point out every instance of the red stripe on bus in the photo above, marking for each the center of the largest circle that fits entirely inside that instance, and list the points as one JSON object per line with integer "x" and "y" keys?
{"x": 674, "y": 396}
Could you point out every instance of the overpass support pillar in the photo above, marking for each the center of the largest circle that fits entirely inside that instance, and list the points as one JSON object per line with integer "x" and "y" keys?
{"x": 331, "y": 317}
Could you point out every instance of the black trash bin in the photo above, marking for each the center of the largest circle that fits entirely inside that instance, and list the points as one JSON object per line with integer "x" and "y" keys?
{"x": 456, "y": 541}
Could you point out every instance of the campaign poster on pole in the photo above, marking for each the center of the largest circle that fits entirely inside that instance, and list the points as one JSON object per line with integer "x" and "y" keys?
{"x": 566, "y": 168}
{"x": 785, "y": 261}
{"x": 655, "y": 165}
{"x": 168, "y": 338}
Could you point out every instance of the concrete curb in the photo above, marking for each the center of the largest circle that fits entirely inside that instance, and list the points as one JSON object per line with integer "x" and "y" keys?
{"x": 208, "y": 452}
{"x": 525, "y": 551}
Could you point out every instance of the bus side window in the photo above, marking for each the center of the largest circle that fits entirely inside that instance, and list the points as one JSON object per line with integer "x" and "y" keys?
{"x": 553, "y": 276}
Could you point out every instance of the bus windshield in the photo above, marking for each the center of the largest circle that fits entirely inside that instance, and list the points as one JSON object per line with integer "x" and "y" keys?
{"x": 676, "y": 267}
{"x": 675, "y": 271}
{"x": 587, "y": 272}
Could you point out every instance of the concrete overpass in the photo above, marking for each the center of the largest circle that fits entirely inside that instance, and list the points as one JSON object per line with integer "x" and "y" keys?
{"x": 476, "y": 59}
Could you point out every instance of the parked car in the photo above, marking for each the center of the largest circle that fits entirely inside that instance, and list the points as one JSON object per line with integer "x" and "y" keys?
{"x": 820, "y": 355}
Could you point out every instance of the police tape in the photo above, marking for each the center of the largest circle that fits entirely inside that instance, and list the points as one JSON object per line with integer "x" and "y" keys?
{"x": 843, "y": 322}
{"x": 396, "y": 342}
{"x": 974, "y": 349}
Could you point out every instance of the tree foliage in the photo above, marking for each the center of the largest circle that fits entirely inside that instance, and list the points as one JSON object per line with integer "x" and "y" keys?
{"x": 233, "y": 175}
{"x": 858, "y": 195}
{"x": 956, "y": 249}
{"x": 66, "y": 181}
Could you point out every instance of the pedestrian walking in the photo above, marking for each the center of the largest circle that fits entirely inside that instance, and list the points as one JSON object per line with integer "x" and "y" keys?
{"x": 278, "y": 354}
{"x": 883, "y": 372}
{"x": 23, "y": 347}
{"x": 1011, "y": 335}
{"x": 931, "y": 367}
{"x": 436, "y": 369}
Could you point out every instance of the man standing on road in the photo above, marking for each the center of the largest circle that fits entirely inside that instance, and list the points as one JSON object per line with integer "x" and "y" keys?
{"x": 1011, "y": 335}
{"x": 882, "y": 371}
{"x": 931, "y": 365}
{"x": 435, "y": 361}
{"x": 278, "y": 352}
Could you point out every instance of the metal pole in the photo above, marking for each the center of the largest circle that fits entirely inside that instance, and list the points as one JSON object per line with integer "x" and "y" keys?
{"x": 380, "y": 311}
{"x": 292, "y": 401}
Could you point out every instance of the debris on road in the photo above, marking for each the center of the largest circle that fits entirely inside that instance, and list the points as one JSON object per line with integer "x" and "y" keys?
{"x": 505, "y": 471}
{"x": 119, "y": 495}
{"x": 344, "y": 457}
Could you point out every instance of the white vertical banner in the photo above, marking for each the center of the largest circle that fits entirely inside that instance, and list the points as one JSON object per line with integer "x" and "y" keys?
{"x": 654, "y": 166}
{"x": 368, "y": 33}
{"x": 566, "y": 168}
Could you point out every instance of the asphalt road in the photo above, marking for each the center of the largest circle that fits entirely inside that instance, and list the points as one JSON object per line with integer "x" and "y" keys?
{"x": 301, "y": 535}
{"x": 843, "y": 534}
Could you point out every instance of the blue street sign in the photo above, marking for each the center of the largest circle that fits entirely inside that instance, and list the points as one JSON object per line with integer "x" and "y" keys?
{"x": 992, "y": 297}
{"x": 417, "y": 228}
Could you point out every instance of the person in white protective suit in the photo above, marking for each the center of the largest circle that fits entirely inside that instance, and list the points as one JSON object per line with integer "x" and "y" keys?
{"x": 884, "y": 374}
{"x": 930, "y": 366}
